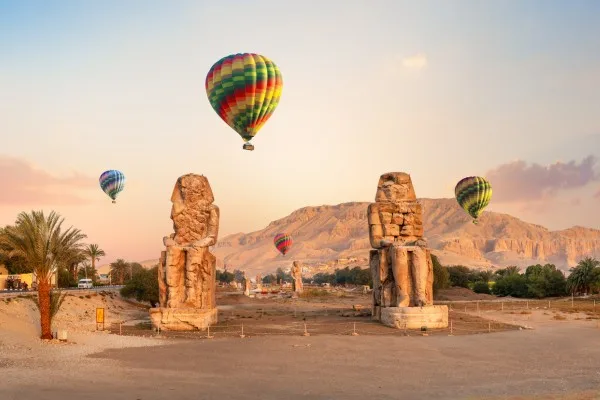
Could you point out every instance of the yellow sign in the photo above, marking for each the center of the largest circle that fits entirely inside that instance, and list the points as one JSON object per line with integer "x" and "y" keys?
{"x": 99, "y": 315}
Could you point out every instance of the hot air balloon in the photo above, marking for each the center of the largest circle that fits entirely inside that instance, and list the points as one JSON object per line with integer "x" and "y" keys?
{"x": 112, "y": 183}
{"x": 473, "y": 194}
{"x": 244, "y": 89}
{"x": 283, "y": 242}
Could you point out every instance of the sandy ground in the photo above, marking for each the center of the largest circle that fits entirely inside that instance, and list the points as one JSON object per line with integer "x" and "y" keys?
{"x": 557, "y": 359}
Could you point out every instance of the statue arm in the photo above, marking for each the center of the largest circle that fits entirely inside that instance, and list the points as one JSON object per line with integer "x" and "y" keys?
{"x": 212, "y": 231}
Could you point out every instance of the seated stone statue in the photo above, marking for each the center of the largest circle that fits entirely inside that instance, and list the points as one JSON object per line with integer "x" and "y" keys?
{"x": 401, "y": 265}
{"x": 188, "y": 273}
{"x": 297, "y": 285}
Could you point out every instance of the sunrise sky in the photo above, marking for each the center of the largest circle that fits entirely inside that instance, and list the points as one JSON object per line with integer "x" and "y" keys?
{"x": 440, "y": 89}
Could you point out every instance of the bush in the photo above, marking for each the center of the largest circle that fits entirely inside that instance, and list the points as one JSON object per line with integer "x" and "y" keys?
{"x": 481, "y": 287}
{"x": 143, "y": 286}
{"x": 441, "y": 276}
{"x": 459, "y": 276}
{"x": 511, "y": 285}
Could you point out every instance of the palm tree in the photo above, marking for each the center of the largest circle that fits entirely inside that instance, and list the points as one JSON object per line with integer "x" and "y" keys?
{"x": 584, "y": 276}
{"x": 118, "y": 269}
{"x": 44, "y": 245}
{"x": 93, "y": 252}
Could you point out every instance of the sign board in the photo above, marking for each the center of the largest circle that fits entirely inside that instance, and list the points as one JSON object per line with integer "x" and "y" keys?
{"x": 100, "y": 317}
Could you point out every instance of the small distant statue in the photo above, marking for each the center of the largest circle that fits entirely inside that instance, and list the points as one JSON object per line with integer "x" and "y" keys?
{"x": 246, "y": 285}
{"x": 187, "y": 269}
{"x": 259, "y": 282}
{"x": 297, "y": 286}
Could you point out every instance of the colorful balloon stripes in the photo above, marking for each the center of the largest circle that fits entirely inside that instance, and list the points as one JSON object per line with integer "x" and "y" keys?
{"x": 244, "y": 90}
{"x": 283, "y": 242}
{"x": 112, "y": 183}
{"x": 473, "y": 194}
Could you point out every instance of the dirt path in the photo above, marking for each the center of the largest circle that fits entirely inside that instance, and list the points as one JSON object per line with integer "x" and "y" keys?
{"x": 516, "y": 363}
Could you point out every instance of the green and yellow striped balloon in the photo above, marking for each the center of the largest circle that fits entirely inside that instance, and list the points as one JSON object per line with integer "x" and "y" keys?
{"x": 244, "y": 90}
{"x": 473, "y": 194}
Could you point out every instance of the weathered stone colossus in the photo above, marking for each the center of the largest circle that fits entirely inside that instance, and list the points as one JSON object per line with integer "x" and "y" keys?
{"x": 297, "y": 286}
{"x": 186, "y": 270}
{"x": 400, "y": 264}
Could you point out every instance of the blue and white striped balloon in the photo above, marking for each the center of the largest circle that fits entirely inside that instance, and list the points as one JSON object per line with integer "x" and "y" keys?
{"x": 112, "y": 183}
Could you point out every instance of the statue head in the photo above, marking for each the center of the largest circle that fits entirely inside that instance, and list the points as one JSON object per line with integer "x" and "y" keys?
{"x": 394, "y": 187}
{"x": 191, "y": 199}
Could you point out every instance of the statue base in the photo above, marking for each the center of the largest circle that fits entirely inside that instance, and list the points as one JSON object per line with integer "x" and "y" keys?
{"x": 182, "y": 319}
{"x": 430, "y": 317}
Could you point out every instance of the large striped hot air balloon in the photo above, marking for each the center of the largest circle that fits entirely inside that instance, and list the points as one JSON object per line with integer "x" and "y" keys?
{"x": 244, "y": 89}
{"x": 473, "y": 194}
{"x": 112, "y": 183}
{"x": 283, "y": 242}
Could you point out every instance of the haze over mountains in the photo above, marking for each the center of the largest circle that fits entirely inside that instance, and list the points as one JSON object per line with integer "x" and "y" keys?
{"x": 326, "y": 237}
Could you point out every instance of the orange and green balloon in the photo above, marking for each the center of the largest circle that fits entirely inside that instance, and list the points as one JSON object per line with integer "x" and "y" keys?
{"x": 473, "y": 194}
{"x": 244, "y": 90}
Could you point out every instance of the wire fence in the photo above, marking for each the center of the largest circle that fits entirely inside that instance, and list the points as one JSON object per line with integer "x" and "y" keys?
{"x": 460, "y": 322}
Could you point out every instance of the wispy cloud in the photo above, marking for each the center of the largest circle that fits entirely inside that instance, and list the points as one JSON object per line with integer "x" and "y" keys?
{"x": 416, "y": 62}
{"x": 22, "y": 183}
{"x": 517, "y": 181}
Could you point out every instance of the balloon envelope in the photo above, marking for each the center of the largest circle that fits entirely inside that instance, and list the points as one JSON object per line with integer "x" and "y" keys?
{"x": 244, "y": 90}
{"x": 112, "y": 183}
{"x": 473, "y": 194}
{"x": 283, "y": 242}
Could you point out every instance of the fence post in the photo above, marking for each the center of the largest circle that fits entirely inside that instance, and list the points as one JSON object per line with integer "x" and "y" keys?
{"x": 489, "y": 327}
{"x": 478, "y": 307}
{"x": 527, "y": 305}
{"x": 120, "y": 329}
{"x": 548, "y": 304}
{"x": 305, "y": 331}
{"x": 242, "y": 335}
{"x": 354, "y": 330}
{"x": 594, "y": 305}
{"x": 208, "y": 336}
{"x": 572, "y": 300}
{"x": 502, "y": 305}
{"x": 465, "y": 308}
{"x": 451, "y": 328}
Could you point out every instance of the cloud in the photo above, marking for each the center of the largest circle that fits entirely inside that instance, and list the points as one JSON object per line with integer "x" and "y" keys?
{"x": 517, "y": 181}
{"x": 416, "y": 62}
{"x": 22, "y": 183}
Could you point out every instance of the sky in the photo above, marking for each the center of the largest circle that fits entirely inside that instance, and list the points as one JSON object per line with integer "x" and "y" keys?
{"x": 509, "y": 90}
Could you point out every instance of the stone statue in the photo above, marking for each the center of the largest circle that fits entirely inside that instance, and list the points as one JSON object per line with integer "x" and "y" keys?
{"x": 187, "y": 269}
{"x": 297, "y": 286}
{"x": 401, "y": 263}
{"x": 246, "y": 285}
{"x": 259, "y": 282}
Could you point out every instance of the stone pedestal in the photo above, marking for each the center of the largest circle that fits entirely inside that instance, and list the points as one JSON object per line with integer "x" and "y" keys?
{"x": 183, "y": 319}
{"x": 431, "y": 317}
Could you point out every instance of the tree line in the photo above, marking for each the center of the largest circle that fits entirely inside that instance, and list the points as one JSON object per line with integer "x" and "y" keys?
{"x": 536, "y": 281}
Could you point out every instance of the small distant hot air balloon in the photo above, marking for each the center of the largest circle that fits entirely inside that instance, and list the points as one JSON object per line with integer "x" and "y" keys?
{"x": 112, "y": 183}
{"x": 473, "y": 194}
{"x": 283, "y": 242}
{"x": 244, "y": 90}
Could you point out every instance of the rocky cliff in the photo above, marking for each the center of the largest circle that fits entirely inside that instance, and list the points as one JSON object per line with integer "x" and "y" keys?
{"x": 335, "y": 236}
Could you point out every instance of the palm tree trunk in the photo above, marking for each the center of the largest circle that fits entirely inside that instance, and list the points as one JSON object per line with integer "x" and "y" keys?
{"x": 44, "y": 299}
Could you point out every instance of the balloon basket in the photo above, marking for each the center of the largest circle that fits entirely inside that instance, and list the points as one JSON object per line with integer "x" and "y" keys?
{"x": 114, "y": 202}
{"x": 248, "y": 146}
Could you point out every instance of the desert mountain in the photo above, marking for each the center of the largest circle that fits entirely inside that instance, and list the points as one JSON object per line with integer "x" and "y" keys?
{"x": 329, "y": 237}
{"x": 326, "y": 237}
